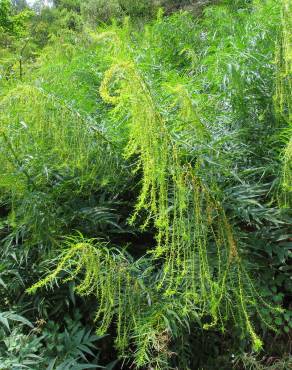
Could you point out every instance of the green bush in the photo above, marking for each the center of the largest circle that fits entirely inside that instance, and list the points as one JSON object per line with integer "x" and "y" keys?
{"x": 48, "y": 345}
{"x": 96, "y": 11}
{"x": 145, "y": 179}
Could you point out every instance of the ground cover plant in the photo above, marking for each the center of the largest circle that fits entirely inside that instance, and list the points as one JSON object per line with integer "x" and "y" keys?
{"x": 145, "y": 185}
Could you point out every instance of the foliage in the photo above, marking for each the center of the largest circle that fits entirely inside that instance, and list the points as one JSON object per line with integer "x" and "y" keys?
{"x": 47, "y": 345}
{"x": 54, "y": 148}
{"x": 145, "y": 168}
{"x": 11, "y": 23}
{"x": 283, "y": 97}
{"x": 14, "y": 30}
{"x": 98, "y": 11}
{"x": 250, "y": 362}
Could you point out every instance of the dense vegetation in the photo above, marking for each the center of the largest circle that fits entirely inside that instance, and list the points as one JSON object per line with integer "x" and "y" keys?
{"x": 145, "y": 184}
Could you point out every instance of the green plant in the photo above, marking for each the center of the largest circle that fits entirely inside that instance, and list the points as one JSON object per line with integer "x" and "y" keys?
{"x": 250, "y": 362}
{"x": 283, "y": 99}
{"x": 101, "y": 10}
{"x": 144, "y": 166}
{"x": 70, "y": 347}
{"x": 48, "y": 345}
{"x": 181, "y": 195}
